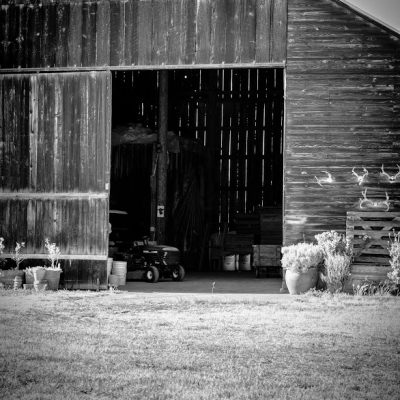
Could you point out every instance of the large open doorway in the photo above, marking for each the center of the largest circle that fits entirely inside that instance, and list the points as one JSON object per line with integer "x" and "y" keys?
{"x": 225, "y": 156}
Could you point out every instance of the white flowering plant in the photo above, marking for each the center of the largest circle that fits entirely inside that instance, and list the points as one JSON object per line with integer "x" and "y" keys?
{"x": 17, "y": 256}
{"x": 301, "y": 257}
{"x": 53, "y": 254}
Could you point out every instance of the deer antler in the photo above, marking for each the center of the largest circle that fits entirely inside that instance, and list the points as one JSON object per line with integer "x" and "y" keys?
{"x": 360, "y": 178}
{"x": 364, "y": 200}
{"x": 374, "y": 204}
{"x": 386, "y": 202}
{"x": 328, "y": 179}
{"x": 391, "y": 178}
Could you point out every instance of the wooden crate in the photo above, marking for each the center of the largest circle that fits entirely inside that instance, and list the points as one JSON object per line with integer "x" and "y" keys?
{"x": 369, "y": 233}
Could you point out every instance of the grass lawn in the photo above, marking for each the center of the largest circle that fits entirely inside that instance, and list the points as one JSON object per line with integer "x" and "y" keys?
{"x": 87, "y": 345}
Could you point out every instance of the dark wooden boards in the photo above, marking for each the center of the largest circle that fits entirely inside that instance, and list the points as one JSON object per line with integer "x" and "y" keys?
{"x": 342, "y": 102}
{"x": 100, "y": 33}
{"x": 55, "y": 163}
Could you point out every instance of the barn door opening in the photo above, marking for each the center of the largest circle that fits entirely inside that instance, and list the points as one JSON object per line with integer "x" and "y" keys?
{"x": 54, "y": 170}
{"x": 225, "y": 155}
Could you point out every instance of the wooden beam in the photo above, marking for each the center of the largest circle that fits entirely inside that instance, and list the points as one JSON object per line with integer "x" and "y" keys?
{"x": 135, "y": 67}
{"x": 162, "y": 156}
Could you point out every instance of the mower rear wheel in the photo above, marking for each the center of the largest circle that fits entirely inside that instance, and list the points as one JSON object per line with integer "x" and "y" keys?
{"x": 152, "y": 274}
{"x": 178, "y": 273}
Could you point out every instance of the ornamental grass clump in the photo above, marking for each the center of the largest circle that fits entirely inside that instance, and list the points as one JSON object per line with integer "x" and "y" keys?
{"x": 337, "y": 255}
{"x": 301, "y": 257}
{"x": 17, "y": 256}
{"x": 394, "y": 253}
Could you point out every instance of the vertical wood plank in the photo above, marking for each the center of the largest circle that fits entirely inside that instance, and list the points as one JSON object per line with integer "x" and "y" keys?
{"x": 203, "y": 31}
{"x": 218, "y": 31}
{"x": 33, "y": 132}
{"x": 174, "y": 23}
{"x": 188, "y": 42}
{"x": 34, "y": 48}
{"x": 103, "y": 33}
{"x": 48, "y": 173}
{"x": 134, "y": 41}
{"x": 279, "y": 31}
{"x": 93, "y": 131}
{"x": 48, "y": 56}
{"x": 145, "y": 35}
{"x": 75, "y": 35}
{"x": 4, "y": 40}
{"x": 263, "y": 32}
{"x": 130, "y": 21}
{"x": 61, "y": 57}
{"x": 247, "y": 49}
{"x": 89, "y": 27}
{"x": 117, "y": 32}
{"x": 159, "y": 41}
{"x": 21, "y": 36}
{"x": 57, "y": 131}
{"x": 84, "y": 135}
{"x": 2, "y": 133}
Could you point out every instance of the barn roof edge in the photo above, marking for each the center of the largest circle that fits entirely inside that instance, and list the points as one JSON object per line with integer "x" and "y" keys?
{"x": 368, "y": 17}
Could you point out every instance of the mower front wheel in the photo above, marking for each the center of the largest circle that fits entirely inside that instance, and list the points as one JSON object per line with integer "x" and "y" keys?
{"x": 151, "y": 275}
{"x": 178, "y": 273}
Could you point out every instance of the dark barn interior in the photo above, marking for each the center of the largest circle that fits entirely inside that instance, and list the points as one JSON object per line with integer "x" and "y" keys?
{"x": 225, "y": 134}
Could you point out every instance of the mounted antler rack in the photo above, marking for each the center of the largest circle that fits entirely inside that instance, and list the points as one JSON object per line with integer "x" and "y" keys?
{"x": 391, "y": 178}
{"x": 366, "y": 203}
{"x": 328, "y": 179}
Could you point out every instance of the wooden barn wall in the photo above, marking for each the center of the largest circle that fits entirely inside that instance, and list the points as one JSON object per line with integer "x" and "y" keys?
{"x": 54, "y": 167}
{"x": 343, "y": 111}
{"x": 60, "y": 33}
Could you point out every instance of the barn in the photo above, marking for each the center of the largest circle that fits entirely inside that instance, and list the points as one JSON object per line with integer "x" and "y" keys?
{"x": 275, "y": 119}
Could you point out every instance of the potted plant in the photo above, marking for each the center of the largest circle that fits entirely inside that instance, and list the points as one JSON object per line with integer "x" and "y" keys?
{"x": 301, "y": 263}
{"x": 337, "y": 254}
{"x": 54, "y": 270}
{"x": 7, "y": 277}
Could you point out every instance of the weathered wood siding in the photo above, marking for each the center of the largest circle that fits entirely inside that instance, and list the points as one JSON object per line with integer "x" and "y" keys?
{"x": 54, "y": 165}
{"x": 343, "y": 103}
{"x": 77, "y": 33}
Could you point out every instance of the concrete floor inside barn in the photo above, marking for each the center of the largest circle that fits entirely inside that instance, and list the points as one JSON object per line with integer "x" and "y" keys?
{"x": 237, "y": 282}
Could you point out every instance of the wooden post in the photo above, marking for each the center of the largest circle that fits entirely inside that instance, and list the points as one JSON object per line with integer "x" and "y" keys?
{"x": 162, "y": 156}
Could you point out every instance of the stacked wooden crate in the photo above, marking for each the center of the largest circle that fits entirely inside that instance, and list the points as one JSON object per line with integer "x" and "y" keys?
{"x": 267, "y": 259}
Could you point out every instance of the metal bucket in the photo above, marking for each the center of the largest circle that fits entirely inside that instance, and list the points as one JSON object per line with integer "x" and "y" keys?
{"x": 119, "y": 268}
{"x": 244, "y": 262}
{"x": 229, "y": 263}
